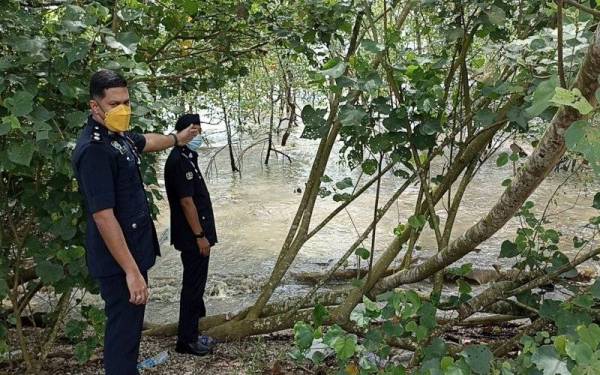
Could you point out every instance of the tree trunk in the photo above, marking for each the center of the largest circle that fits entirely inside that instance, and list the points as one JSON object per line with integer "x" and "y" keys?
{"x": 290, "y": 103}
{"x": 234, "y": 168}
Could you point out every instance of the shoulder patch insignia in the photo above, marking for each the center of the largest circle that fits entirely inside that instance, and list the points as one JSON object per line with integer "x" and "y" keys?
{"x": 189, "y": 175}
{"x": 118, "y": 146}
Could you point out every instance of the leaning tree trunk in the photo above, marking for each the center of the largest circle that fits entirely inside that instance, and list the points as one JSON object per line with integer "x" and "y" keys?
{"x": 548, "y": 152}
{"x": 290, "y": 102}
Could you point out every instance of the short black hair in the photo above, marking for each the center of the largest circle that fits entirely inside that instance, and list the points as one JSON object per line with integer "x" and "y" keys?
{"x": 105, "y": 79}
{"x": 186, "y": 120}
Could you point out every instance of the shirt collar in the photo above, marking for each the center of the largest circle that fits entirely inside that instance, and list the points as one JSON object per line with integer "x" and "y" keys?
{"x": 98, "y": 127}
{"x": 188, "y": 152}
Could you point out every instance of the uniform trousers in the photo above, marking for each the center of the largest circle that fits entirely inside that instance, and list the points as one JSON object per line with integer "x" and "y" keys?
{"x": 191, "y": 303}
{"x": 124, "y": 322}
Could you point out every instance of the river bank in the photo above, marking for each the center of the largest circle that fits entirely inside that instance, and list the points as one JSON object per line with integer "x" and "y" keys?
{"x": 265, "y": 354}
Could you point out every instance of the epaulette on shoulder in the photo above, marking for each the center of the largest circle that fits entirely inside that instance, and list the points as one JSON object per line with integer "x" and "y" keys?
{"x": 96, "y": 136}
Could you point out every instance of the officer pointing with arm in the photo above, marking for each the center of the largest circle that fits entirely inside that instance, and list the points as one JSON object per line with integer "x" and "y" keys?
{"x": 121, "y": 241}
{"x": 192, "y": 233}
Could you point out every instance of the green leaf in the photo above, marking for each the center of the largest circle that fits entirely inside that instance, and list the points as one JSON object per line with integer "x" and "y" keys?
{"x": 417, "y": 221}
{"x": 68, "y": 89}
{"x": 95, "y": 316}
{"x": 189, "y": 6}
{"x": 70, "y": 254}
{"x": 126, "y": 42}
{"x": 421, "y": 333}
{"x": 454, "y": 33}
{"x": 75, "y": 328}
{"x": 518, "y": 116}
{"x": 508, "y": 250}
{"x": 21, "y": 153}
{"x": 76, "y": 119}
{"x": 560, "y": 344}
{"x": 590, "y": 335}
{"x": 478, "y": 357}
{"x": 345, "y": 346}
{"x": 370, "y": 305}
{"x": 502, "y": 159}
{"x": 341, "y": 197}
{"x": 595, "y": 289}
{"x": 381, "y": 105}
{"x": 428, "y": 313}
{"x": 369, "y": 166}
{"x": 584, "y": 137}
{"x": 320, "y": 315}
{"x": 371, "y": 46}
{"x": 446, "y": 364}
{"x": 351, "y": 116}
{"x": 303, "y": 335}
{"x": 463, "y": 287}
{"x": 77, "y": 52}
{"x": 596, "y": 203}
{"x": 49, "y": 272}
{"x": 82, "y": 352}
{"x": 546, "y": 359}
{"x": 431, "y": 127}
{"x": 572, "y": 98}
{"x": 20, "y": 104}
{"x": 33, "y": 46}
{"x": 542, "y": 96}
{"x": 399, "y": 230}
{"x": 411, "y": 326}
{"x": 315, "y": 125}
{"x": 392, "y": 329}
{"x": 372, "y": 82}
{"x": 496, "y": 15}
{"x": 397, "y": 119}
{"x": 9, "y": 123}
{"x": 129, "y": 14}
{"x": 64, "y": 228}
{"x": 334, "y": 71}
{"x": 485, "y": 117}
{"x": 344, "y": 184}
{"x": 579, "y": 352}
{"x": 436, "y": 349}
{"x": 362, "y": 252}
{"x": 326, "y": 179}
{"x": 463, "y": 270}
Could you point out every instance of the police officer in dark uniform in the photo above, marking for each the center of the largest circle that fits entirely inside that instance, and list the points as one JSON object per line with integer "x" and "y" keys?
{"x": 192, "y": 233}
{"x": 121, "y": 241}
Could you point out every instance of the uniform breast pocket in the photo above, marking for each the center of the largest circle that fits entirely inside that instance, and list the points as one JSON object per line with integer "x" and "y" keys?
{"x": 138, "y": 234}
{"x": 128, "y": 171}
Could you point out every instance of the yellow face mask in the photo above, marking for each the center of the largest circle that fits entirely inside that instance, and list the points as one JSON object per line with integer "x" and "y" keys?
{"x": 117, "y": 119}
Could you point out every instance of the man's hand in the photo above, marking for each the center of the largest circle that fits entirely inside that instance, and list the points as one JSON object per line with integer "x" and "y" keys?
{"x": 204, "y": 246}
{"x": 138, "y": 289}
{"x": 187, "y": 134}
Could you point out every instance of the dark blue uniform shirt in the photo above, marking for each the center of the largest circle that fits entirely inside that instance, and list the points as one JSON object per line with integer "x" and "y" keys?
{"x": 184, "y": 179}
{"x": 106, "y": 166}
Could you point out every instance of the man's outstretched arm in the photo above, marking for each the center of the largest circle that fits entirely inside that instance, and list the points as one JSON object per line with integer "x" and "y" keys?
{"x": 158, "y": 142}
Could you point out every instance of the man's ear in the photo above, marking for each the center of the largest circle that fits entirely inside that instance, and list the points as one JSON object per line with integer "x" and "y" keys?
{"x": 95, "y": 107}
